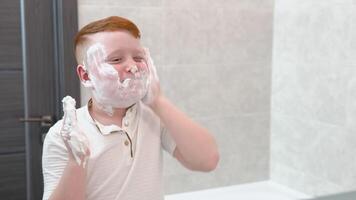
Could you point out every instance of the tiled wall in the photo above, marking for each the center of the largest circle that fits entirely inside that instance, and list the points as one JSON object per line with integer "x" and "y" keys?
{"x": 214, "y": 62}
{"x": 313, "y": 122}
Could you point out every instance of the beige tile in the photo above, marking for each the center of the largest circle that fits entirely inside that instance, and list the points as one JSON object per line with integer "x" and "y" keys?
{"x": 302, "y": 182}
{"x": 313, "y": 148}
{"x": 208, "y": 90}
{"x": 351, "y": 102}
{"x": 313, "y": 95}
{"x": 122, "y": 3}
{"x": 315, "y": 32}
{"x": 217, "y": 36}
{"x": 312, "y": 91}
{"x": 213, "y": 4}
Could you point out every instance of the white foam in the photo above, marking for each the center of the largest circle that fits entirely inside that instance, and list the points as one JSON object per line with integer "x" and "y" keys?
{"x": 71, "y": 132}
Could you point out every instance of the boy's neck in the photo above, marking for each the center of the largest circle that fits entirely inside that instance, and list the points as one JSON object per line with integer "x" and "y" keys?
{"x": 105, "y": 119}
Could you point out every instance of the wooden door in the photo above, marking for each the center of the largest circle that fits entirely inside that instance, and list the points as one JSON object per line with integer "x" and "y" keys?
{"x": 37, "y": 68}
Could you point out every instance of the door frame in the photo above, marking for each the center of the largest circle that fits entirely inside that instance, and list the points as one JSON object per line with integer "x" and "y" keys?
{"x": 47, "y": 31}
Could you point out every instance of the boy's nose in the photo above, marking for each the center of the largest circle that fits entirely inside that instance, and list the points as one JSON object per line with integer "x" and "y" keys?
{"x": 128, "y": 65}
{"x": 128, "y": 69}
{"x": 132, "y": 69}
{"x": 131, "y": 66}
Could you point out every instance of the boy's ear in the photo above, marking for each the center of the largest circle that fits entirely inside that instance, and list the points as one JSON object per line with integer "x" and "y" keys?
{"x": 83, "y": 76}
{"x": 82, "y": 72}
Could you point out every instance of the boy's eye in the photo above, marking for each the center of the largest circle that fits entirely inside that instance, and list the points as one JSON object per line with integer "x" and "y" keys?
{"x": 138, "y": 59}
{"x": 115, "y": 60}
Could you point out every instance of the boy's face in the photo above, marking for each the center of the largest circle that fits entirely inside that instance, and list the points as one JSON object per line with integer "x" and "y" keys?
{"x": 122, "y": 51}
{"x": 115, "y": 67}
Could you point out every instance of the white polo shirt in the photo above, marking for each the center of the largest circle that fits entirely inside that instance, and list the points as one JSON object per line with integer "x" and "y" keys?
{"x": 125, "y": 163}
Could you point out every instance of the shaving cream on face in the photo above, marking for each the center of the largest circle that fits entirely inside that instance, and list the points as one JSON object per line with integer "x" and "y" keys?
{"x": 71, "y": 133}
{"x": 107, "y": 87}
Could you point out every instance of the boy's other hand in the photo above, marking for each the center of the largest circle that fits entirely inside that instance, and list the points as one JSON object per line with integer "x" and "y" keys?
{"x": 154, "y": 90}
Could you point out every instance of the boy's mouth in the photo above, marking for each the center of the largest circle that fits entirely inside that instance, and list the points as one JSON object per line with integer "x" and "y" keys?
{"x": 125, "y": 82}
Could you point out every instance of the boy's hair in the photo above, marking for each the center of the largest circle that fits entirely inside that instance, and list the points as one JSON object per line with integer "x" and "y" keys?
{"x": 113, "y": 23}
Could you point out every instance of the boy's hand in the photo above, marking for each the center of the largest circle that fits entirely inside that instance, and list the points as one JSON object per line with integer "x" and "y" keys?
{"x": 154, "y": 90}
{"x": 74, "y": 139}
{"x": 77, "y": 146}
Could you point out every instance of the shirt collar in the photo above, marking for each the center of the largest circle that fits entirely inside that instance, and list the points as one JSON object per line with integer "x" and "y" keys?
{"x": 129, "y": 121}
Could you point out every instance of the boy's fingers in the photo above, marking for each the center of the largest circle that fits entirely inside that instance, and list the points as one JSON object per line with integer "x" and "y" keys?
{"x": 69, "y": 148}
{"x": 150, "y": 64}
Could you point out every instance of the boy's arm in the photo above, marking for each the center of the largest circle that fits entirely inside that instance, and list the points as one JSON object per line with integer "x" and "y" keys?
{"x": 71, "y": 186}
{"x": 64, "y": 178}
{"x": 196, "y": 147}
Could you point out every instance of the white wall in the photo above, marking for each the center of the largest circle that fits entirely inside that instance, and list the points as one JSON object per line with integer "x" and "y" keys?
{"x": 313, "y": 120}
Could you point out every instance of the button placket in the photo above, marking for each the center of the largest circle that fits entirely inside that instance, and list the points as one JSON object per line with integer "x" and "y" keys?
{"x": 128, "y": 143}
{"x": 126, "y": 123}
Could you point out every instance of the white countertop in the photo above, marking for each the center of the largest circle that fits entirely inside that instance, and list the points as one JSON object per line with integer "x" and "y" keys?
{"x": 265, "y": 190}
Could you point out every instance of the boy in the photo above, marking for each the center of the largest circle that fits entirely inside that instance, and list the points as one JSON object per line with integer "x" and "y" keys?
{"x": 126, "y": 124}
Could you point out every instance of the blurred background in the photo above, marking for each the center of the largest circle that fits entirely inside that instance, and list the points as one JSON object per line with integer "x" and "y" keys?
{"x": 273, "y": 80}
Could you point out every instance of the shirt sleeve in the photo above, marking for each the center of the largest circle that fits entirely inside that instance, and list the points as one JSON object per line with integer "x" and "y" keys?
{"x": 167, "y": 141}
{"x": 54, "y": 160}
